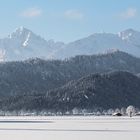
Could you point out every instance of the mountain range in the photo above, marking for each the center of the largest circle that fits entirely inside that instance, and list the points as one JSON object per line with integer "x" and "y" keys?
{"x": 23, "y": 44}
{"x": 99, "y": 71}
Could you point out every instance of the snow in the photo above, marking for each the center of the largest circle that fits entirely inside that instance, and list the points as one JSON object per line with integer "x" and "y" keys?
{"x": 69, "y": 128}
{"x": 2, "y": 55}
{"x": 86, "y": 96}
{"x": 18, "y": 30}
{"x": 125, "y": 36}
{"x": 21, "y": 28}
{"x": 27, "y": 39}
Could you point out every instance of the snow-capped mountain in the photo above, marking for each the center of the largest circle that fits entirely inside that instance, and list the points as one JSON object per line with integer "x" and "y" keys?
{"x": 127, "y": 41}
{"x": 23, "y": 44}
{"x": 131, "y": 36}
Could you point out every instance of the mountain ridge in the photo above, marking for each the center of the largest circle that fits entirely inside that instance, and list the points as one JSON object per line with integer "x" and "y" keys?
{"x": 23, "y": 44}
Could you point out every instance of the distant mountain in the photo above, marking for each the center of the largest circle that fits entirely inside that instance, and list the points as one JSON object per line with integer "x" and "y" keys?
{"x": 131, "y": 37}
{"x": 127, "y": 41}
{"x": 23, "y": 44}
{"x": 105, "y": 91}
{"x": 37, "y": 76}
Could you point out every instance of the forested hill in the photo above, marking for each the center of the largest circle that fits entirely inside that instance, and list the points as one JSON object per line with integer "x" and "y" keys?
{"x": 112, "y": 90}
{"x": 37, "y": 76}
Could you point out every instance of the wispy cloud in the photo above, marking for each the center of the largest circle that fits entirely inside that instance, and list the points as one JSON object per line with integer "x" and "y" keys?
{"x": 129, "y": 13}
{"x": 73, "y": 15}
{"x": 31, "y": 13}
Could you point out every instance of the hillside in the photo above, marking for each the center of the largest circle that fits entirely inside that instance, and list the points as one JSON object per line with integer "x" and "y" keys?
{"x": 105, "y": 91}
{"x": 37, "y": 76}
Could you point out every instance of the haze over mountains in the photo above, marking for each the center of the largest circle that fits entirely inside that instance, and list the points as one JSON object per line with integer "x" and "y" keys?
{"x": 23, "y": 44}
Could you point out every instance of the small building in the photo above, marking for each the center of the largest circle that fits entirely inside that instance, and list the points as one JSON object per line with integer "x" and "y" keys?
{"x": 137, "y": 114}
{"x": 116, "y": 114}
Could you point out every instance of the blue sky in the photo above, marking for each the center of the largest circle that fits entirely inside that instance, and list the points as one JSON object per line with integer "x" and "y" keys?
{"x": 68, "y": 20}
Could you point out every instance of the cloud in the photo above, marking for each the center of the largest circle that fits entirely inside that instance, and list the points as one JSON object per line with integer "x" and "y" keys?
{"x": 129, "y": 13}
{"x": 31, "y": 13}
{"x": 73, "y": 14}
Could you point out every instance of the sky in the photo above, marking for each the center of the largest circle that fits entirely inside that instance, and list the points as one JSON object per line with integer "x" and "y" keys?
{"x": 69, "y": 20}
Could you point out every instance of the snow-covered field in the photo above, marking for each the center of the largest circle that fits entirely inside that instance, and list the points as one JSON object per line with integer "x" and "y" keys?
{"x": 69, "y": 128}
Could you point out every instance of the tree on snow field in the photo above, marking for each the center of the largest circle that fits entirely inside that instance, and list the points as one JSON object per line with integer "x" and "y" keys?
{"x": 131, "y": 111}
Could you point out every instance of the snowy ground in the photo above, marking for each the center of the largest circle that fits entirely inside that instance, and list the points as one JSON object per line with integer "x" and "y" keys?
{"x": 69, "y": 128}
